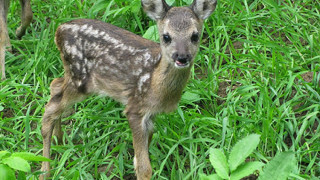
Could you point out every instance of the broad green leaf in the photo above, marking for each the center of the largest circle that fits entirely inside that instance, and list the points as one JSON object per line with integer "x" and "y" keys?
{"x": 279, "y": 167}
{"x": 170, "y": 2}
{"x": 210, "y": 177}
{"x": 29, "y": 156}
{"x": 219, "y": 162}
{"x": 6, "y": 173}
{"x": 152, "y": 33}
{"x": 4, "y": 154}
{"x": 245, "y": 170}
{"x": 242, "y": 150}
{"x": 190, "y": 97}
{"x": 135, "y": 6}
{"x": 17, "y": 163}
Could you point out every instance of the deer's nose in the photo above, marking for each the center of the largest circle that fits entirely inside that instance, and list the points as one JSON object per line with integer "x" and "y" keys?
{"x": 181, "y": 59}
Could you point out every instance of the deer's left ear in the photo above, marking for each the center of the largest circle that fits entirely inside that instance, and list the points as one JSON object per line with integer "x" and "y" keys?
{"x": 155, "y": 9}
{"x": 203, "y": 8}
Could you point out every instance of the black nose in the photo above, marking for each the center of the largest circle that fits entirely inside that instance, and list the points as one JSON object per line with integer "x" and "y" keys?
{"x": 182, "y": 58}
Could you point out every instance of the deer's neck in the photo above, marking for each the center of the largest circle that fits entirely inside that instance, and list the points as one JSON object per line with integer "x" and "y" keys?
{"x": 167, "y": 85}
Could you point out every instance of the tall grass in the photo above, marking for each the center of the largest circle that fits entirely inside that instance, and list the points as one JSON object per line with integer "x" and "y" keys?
{"x": 257, "y": 71}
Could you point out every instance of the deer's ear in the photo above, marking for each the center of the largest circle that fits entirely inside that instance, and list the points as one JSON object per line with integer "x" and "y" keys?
{"x": 203, "y": 8}
{"x": 155, "y": 9}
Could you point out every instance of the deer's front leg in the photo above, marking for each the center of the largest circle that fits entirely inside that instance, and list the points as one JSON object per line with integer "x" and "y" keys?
{"x": 141, "y": 127}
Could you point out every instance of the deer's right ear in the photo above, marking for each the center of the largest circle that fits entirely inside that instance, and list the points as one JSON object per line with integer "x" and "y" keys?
{"x": 155, "y": 9}
{"x": 203, "y": 8}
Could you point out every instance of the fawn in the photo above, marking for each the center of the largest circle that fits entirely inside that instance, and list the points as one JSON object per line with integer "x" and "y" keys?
{"x": 26, "y": 18}
{"x": 147, "y": 77}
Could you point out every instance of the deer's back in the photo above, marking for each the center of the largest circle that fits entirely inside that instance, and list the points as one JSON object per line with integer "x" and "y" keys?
{"x": 98, "y": 55}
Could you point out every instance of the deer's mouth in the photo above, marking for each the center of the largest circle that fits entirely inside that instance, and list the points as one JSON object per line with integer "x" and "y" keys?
{"x": 182, "y": 63}
{"x": 181, "y": 60}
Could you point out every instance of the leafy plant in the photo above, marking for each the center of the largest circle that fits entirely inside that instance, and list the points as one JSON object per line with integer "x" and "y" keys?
{"x": 16, "y": 161}
{"x": 235, "y": 168}
{"x": 279, "y": 168}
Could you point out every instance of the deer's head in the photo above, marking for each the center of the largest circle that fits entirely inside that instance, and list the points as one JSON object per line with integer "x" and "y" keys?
{"x": 180, "y": 28}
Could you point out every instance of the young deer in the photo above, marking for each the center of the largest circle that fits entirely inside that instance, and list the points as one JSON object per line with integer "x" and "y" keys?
{"x": 26, "y": 18}
{"x": 147, "y": 77}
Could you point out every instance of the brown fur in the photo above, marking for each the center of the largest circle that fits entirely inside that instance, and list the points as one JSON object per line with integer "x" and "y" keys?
{"x": 4, "y": 37}
{"x": 100, "y": 58}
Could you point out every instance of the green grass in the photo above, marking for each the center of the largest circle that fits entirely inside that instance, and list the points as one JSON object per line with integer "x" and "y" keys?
{"x": 257, "y": 71}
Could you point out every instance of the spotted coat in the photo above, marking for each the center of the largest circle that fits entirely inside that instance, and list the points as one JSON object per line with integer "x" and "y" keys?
{"x": 91, "y": 48}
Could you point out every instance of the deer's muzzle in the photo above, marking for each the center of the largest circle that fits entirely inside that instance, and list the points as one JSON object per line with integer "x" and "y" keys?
{"x": 181, "y": 60}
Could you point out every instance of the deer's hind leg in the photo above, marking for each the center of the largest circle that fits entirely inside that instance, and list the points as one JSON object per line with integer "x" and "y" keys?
{"x": 26, "y": 17}
{"x": 55, "y": 89}
{"x": 63, "y": 95}
{"x": 4, "y": 37}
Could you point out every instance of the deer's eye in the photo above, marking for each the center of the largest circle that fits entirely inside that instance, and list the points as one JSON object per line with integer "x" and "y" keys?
{"x": 166, "y": 38}
{"x": 195, "y": 37}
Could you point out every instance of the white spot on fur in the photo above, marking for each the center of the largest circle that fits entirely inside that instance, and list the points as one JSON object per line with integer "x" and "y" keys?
{"x": 70, "y": 27}
{"x": 137, "y": 72}
{"x": 83, "y": 27}
{"x": 95, "y": 33}
{"x": 88, "y": 30}
{"x": 110, "y": 39}
{"x": 102, "y": 33}
{"x": 142, "y": 80}
{"x": 146, "y": 58}
{"x": 135, "y": 162}
{"x": 158, "y": 58}
{"x": 77, "y": 65}
{"x": 73, "y": 50}
{"x": 78, "y": 83}
{"x": 111, "y": 59}
{"x": 89, "y": 64}
{"x": 119, "y": 44}
{"x": 147, "y": 124}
